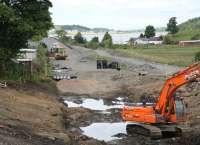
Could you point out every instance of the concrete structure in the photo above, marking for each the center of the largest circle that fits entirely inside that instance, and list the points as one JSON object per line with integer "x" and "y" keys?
{"x": 189, "y": 42}
{"x": 141, "y": 41}
{"x": 155, "y": 40}
{"x": 28, "y": 54}
{"x": 144, "y": 41}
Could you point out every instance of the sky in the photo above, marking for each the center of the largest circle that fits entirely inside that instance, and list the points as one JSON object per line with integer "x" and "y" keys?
{"x": 122, "y": 14}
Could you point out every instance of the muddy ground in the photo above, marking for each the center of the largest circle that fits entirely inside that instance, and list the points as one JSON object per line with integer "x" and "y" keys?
{"x": 33, "y": 114}
{"x": 138, "y": 79}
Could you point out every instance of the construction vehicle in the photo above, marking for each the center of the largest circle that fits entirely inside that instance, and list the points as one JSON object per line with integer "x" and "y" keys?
{"x": 59, "y": 51}
{"x": 164, "y": 117}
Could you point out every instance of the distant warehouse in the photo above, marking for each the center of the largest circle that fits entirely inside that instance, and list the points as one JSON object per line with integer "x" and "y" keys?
{"x": 189, "y": 42}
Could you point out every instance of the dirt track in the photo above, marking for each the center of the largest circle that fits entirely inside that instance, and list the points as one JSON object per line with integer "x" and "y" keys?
{"x": 104, "y": 83}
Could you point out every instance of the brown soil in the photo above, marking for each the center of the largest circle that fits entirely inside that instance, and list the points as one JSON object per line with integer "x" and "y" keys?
{"x": 33, "y": 119}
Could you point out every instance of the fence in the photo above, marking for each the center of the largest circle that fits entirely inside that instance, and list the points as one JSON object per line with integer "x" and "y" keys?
{"x": 14, "y": 70}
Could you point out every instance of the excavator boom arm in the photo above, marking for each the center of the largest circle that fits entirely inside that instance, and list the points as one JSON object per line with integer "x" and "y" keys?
{"x": 166, "y": 98}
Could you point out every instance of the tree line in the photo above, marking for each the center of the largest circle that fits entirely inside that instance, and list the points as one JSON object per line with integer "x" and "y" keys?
{"x": 78, "y": 39}
{"x": 107, "y": 41}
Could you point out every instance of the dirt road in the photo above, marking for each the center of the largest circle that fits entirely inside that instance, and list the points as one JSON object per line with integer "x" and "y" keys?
{"x": 95, "y": 82}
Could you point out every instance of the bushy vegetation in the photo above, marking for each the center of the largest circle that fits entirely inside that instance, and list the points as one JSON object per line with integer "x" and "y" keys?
{"x": 168, "y": 39}
{"x": 107, "y": 41}
{"x": 189, "y": 30}
{"x": 197, "y": 56}
{"x": 18, "y": 24}
{"x": 62, "y": 36}
{"x": 94, "y": 43}
{"x": 41, "y": 68}
{"x": 195, "y": 37}
{"x": 78, "y": 38}
{"x": 150, "y": 31}
{"x": 172, "y": 27}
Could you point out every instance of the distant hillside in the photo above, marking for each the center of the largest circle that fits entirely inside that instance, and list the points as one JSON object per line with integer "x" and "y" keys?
{"x": 101, "y": 29}
{"x": 81, "y": 28}
{"x": 189, "y": 30}
{"x": 76, "y": 27}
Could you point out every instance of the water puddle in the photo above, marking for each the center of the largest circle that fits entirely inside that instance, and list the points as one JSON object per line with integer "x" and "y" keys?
{"x": 100, "y": 104}
{"x": 93, "y": 104}
{"x": 104, "y": 131}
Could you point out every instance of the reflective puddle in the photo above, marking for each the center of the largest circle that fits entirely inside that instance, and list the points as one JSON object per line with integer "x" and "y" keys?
{"x": 100, "y": 104}
{"x": 93, "y": 104}
{"x": 104, "y": 131}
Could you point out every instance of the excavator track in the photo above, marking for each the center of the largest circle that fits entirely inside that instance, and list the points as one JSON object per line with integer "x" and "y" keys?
{"x": 154, "y": 131}
{"x": 145, "y": 130}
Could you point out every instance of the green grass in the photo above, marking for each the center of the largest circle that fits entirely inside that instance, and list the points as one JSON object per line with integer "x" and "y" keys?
{"x": 167, "y": 54}
{"x": 187, "y": 35}
{"x": 188, "y": 30}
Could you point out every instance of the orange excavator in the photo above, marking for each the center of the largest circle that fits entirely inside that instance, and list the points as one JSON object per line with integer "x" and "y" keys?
{"x": 163, "y": 118}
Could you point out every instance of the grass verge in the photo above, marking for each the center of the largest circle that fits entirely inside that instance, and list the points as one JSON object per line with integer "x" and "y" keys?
{"x": 167, "y": 54}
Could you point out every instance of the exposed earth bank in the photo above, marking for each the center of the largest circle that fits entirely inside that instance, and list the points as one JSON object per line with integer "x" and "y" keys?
{"x": 31, "y": 116}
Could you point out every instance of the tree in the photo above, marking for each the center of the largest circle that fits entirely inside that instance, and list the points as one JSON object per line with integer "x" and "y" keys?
{"x": 172, "y": 27}
{"x": 95, "y": 39}
{"x": 195, "y": 37}
{"x": 197, "y": 56}
{"x": 150, "y": 31}
{"x": 20, "y": 21}
{"x": 79, "y": 38}
{"x": 61, "y": 33}
{"x": 94, "y": 43}
{"x": 131, "y": 42}
{"x": 141, "y": 35}
{"x": 107, "y": 41}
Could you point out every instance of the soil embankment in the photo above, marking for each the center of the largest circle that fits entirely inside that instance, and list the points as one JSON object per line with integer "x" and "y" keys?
{"x": 34, "y": 117}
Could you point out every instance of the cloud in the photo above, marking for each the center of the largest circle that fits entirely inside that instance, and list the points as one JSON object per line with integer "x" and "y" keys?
{"x": 122, "y": 14}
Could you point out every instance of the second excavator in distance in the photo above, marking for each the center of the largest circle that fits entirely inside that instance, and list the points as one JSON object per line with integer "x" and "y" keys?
{"x": 162, "y": 119}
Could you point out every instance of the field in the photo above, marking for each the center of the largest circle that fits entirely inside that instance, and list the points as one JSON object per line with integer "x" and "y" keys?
{"x": 168, "y": 54}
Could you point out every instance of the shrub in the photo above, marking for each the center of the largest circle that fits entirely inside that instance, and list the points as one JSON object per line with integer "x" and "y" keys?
{"x": 92, "y": 44}
{"x": 107, "y": 41}
{"x": 195, "y": 37}
{"x": 95, "y": 39}
{"x": 168, "y": 39}
{"x": 197, "y": 56}
{"x": 79, "y": 38}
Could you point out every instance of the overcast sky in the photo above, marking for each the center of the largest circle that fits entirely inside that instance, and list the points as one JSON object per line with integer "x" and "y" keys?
{"x": 123, "y": 14}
